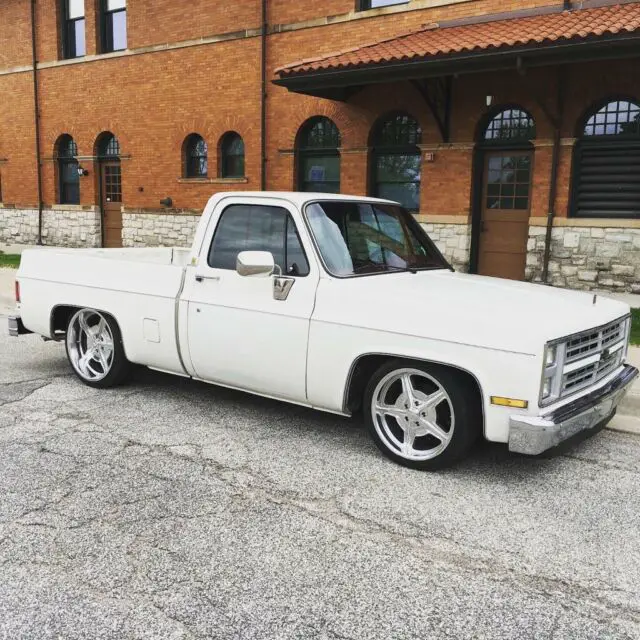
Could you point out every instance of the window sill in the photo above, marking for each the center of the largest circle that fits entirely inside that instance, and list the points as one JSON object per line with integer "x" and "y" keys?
{"x": 384, "y": 9}
{"x": 213, "y": 180}
{"x": 72, "y": 207}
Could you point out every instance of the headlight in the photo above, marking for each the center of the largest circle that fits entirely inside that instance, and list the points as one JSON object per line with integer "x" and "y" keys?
{"x": 552, "y": 372}
{"x": 550, "y": 355}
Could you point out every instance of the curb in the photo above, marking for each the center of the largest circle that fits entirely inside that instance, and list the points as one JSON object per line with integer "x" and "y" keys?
{"x": 630, "y": 404}
{"x": 625, "y": 424}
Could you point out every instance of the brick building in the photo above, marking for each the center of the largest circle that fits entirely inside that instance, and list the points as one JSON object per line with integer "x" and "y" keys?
{"x": 510, "y": 129}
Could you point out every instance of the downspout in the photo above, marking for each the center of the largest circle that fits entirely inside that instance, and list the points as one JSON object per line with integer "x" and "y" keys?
{"x": 553, "y": 187}
{"x": 263, "y": 99}
{"x": 36, "y": 107}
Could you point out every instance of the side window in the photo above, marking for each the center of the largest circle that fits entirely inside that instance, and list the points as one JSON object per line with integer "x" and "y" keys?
{"x": 257, "y": 228}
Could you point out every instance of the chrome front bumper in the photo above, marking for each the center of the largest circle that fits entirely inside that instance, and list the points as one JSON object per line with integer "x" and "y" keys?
{"x": 535, "y": 434}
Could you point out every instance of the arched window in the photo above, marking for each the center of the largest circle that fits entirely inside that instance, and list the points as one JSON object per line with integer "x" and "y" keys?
{"x": 510, "y": 126}
{"x": 508, "y": 160}
{"x": 231, "y": 156}
{"x": 68, "y": 178}
{"x": 606, "y": 180}
{"x": 317, "y": 148}
{"x": 397, "y": 160}
{"x": 108, "y": 146}
{"x": 195, "y": 157}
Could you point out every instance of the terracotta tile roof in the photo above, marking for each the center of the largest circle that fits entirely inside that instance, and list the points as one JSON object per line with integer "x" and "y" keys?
{"x": 481, "y": 37}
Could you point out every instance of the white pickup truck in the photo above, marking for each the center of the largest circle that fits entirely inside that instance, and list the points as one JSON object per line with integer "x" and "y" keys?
{"x": 345, "y": 305}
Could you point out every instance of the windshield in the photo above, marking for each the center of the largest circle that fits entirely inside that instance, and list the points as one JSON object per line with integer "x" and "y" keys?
{"x": 363, "y": 237}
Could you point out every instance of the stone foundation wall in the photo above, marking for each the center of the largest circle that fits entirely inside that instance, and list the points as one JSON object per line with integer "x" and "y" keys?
{"x": 453, "y": 240}
{"x": 60, "y": 227}
{"x": 587, "y": 257}
{"x": 18, "y": 226}
{"x": 158, "y": 230}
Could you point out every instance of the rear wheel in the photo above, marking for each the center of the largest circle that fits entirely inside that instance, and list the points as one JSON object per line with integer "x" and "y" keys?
{"x": 95, "y": 350}
{"x": 422, "y": 416}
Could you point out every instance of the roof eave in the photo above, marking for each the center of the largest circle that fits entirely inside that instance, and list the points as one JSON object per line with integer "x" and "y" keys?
{"x": 335, "y": 83}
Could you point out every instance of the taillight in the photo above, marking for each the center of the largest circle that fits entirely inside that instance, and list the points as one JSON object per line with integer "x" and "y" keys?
{"x": 17, "y": 291}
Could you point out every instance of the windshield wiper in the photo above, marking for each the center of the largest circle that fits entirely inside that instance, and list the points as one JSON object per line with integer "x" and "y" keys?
{"x": 382, "y": 267}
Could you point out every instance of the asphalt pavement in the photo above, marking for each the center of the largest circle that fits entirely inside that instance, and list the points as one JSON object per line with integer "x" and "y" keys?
{"x": 174, "y": 509}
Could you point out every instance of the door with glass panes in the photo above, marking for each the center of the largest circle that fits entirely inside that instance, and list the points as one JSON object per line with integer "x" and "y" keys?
{"x": 504, "y": 225}
{"x": 111, "y": 183}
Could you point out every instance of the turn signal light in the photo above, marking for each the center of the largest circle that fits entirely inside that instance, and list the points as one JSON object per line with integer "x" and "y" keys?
{"x": 509, "y": 402}
{"x": 17, "y": 291}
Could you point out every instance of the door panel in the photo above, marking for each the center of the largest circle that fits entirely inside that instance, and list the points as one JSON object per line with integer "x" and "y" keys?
{"x": 112, "y": 203}
{"x": 238, "y": 333}
{"x": 504, "y": 226}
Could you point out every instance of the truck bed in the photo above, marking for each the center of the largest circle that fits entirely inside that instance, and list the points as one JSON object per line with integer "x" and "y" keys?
{"x": 138, "y": 286}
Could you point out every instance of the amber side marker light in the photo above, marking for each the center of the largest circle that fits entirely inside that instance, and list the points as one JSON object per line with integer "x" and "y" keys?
{"x": 509, "y": 402}
{"x": 17, "y": 291}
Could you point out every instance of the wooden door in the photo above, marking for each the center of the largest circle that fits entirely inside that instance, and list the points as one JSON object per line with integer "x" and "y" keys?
{"x": 112, "y": 203}
{"x": 504, "y": 225}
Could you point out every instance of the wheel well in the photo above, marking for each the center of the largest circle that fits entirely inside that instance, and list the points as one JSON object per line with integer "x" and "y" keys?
{"x": 366, "y": 366}
{"x": 60, "y": 317}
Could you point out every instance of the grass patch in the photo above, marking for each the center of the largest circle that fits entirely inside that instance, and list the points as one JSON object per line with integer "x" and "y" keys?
{"x": 635, "y": 326}
{"x": 9, "y": 260}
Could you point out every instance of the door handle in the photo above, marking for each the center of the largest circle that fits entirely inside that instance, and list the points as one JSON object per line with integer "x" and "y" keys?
{"x": 203, "y": 278}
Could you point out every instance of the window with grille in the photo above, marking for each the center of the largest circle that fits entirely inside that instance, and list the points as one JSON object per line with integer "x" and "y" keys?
{"x": 510, "y": 125}
{"x": 195, "y": 157}
{"x": 73, "y": 33}
{"x": 114, "y": 25}
{"x": 397, "y": 160}
{"x": 606, "y": 179}
{"x": 68, "y": 177}
{"x": 363, "y": 5}
{"x": 108, "y": 146}
{"x": 318, "y": 156}
{"x": 231, "y": 156}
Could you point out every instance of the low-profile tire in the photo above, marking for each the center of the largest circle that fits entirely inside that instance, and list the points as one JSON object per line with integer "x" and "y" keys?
{"x": 423, "y": 416}
{"x": 95, "y": 350}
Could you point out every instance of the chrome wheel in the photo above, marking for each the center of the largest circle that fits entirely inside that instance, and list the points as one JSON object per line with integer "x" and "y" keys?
{"x": 90, "y": 345}
{"x": 413, "y": 414}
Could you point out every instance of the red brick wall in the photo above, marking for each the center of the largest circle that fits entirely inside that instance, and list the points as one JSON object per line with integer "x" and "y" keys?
{"x": 153, "y": 22}
{"x": 15, "y": 33}
{"x": 17, "y": 139}
{"x": 152, "y": 101}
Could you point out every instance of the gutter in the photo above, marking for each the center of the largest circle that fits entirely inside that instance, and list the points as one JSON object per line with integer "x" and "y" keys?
{"x": 263, "y": 98}
{"x": 555, "y": 161}
{"x": 36, "y": 115}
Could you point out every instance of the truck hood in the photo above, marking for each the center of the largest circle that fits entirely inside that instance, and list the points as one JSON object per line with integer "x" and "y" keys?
{"x": 468, "y": 309}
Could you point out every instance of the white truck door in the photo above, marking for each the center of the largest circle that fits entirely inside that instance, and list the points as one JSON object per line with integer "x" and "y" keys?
{"x": 239, "y": 334}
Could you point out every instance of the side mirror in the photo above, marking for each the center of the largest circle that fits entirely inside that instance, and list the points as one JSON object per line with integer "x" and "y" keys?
{"x": 255, "y": 263}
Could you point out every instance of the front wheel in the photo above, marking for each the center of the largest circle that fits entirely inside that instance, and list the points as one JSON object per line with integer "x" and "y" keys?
{"x": 95, "y": 350}
{"x": 422, "y": 416}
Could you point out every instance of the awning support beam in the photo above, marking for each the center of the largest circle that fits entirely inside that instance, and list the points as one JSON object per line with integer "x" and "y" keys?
{"x": 436, "y": 92}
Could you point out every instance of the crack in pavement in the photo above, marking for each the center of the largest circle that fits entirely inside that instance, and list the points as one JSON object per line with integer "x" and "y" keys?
{"x": 147, "y": 464}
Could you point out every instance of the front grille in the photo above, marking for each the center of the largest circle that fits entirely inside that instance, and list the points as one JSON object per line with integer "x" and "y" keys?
{"x": 604, "y": 342}
{"x": 583, "y": 346}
